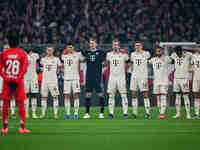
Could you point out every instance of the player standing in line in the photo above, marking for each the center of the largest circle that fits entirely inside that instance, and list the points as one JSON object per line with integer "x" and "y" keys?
{"x": 50, "y": 65}
{"x": 71, "y": 60}
{"x": 31, "y": 82}
{"x": 196, "y": 80}
{"x": 182, "y": 61}
{"x": 12, "y": 102}
{"x": 160, "y": 84}
{"x": 117, "y": 79}
{"x": 139, "y": 78}
{"x": 13, "y": 66}
{"x": 94, "y": 59}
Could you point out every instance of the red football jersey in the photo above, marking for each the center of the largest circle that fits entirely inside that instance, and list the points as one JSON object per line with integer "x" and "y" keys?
{"x": 13, "y": 64}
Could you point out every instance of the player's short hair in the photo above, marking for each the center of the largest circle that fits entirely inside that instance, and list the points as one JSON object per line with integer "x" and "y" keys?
{"x": 116, "y": 40}
{"x": 139, "y": 42}
{"x": 70, "y": 44}
{"x": 178, "y": 48}
{"x": 13, "y": 38}
{"x": 159, "y": 47}
{"x": 198, "y": 46}
{"x": 93, "y": 39}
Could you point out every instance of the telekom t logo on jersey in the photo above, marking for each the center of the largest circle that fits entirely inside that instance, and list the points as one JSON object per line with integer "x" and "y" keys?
{"x": 138, "y": 62}
{"x": 92, "y": 57}
{"x": 69, "y": 62}
{"x": 158, "y": 65}
{"x": 179, "y": 61}
{"x": 116, "y": 62}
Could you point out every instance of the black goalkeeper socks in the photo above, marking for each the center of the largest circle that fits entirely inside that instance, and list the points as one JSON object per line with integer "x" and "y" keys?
{"x": 87, "y": 104}
{"x": 101, "y": 102}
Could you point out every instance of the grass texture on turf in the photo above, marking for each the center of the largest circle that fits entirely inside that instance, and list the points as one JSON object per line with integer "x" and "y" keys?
{"x": 102, "y": 134}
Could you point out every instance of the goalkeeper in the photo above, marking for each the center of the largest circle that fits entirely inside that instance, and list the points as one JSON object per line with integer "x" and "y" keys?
{"x": 13, "y": 66}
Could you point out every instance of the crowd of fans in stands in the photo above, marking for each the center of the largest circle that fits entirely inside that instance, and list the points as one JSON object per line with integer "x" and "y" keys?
{"x": 62, "y": 21}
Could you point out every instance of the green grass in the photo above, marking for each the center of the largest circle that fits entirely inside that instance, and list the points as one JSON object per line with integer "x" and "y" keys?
{"x": 101, "y": 134}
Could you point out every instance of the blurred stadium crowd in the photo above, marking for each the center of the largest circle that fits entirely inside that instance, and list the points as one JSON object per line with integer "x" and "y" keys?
{"x": 61, "y": 21}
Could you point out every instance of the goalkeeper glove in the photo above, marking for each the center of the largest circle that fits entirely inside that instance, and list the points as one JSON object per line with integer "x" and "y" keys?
{"x": 13, "y": 86}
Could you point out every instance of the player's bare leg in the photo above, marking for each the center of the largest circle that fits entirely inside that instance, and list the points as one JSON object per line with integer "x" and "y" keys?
{"x": 101, "y": 102}
{"x": 196, "y": 105}
{"x": 158, "y": 101}
{"x": 12, "y": 107}
{"x": 147, "y": 105}
{"x": 125, "y": 105}
{"x": 178, "y": 105}
{"x": 87, "y": 104}
{"x": 44, "y": 107}
{"x": 134, "y": 104}
{"x": 111, "y": 104}
{"x": 67, "y": 106}
{"x": 34, "y": 106}
{"x": 163, "y": 105}
{"x": 187, "y": 105}
{"x": 76, "y": 105}
{"x": 5, "y": 110}
{"x": 55, "y": 107}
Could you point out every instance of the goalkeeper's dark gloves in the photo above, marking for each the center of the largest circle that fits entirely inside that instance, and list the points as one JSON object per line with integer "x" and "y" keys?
{"x": 13, "y": 86}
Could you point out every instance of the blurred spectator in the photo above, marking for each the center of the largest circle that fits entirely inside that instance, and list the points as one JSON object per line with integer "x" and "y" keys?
{"x": 61, "y": 21}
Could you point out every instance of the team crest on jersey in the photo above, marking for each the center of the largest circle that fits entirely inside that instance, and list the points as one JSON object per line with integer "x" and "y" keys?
{"x": 97, "y": 53}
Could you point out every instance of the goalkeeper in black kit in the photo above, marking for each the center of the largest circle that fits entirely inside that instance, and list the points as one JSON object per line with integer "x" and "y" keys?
{"x": 94, "y": 59}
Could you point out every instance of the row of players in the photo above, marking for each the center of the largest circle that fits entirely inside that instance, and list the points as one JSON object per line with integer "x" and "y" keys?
{"x": 117, "y": 60}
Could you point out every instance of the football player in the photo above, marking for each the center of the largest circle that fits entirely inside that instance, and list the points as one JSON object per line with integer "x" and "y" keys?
{"x": 196, "y": 80}
{"x": 139, "y": 78}
{"x": 13, "y": 66}
{"x": 31, "y": 82}
{"x": 182, "y": 60}
{"x": 160, "y": 84}
{"x": 50, "y": 65}
{"x": 117, "y": 78}
{"x": 94, "y": 59}
{"x": 71, "y": 59}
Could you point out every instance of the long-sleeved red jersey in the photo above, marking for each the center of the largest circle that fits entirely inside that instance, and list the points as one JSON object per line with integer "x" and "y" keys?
{"x": 13, "y": 66}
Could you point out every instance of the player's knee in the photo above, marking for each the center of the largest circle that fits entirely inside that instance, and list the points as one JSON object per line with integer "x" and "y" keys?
{"x": 134, "y": 94}
{"x": 100, "y": 94}
{"x": 145, "y": 94}
{"x": 67, "y": 96}
{"x": 88, "y": 95}
{"x": 76, "y": 95}
{"x": 196, "y": 95}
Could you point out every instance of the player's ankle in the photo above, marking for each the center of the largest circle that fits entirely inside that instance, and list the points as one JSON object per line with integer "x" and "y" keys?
{"x": 22, "y": 126}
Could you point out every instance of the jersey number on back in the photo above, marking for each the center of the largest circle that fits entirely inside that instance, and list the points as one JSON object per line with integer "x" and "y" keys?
{"x": 13, "y": 67}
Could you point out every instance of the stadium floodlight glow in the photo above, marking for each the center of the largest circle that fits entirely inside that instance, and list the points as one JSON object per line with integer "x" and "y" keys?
{"x": 177, "y": 44}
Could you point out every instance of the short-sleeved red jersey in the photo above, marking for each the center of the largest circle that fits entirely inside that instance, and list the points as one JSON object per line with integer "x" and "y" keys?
{"x": 13, "y": 64}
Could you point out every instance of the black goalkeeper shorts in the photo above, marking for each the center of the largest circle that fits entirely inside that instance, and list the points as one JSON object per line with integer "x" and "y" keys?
{"x": 93, "y": 84}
